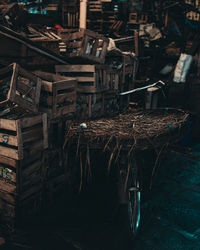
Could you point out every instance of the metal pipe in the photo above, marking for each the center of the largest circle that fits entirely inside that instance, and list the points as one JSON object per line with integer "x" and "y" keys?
{"x": 142, "y": 88}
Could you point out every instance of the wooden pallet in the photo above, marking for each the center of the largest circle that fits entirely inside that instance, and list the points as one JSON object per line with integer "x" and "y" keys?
{"x": 85, "y": 44}
{"x": 91, "y": 78}
{"x": 20, "y": 137}
{"x": 18, "y": 86}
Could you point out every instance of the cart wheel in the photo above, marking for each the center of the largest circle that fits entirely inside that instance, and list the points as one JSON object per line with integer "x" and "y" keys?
{"x": 134, "y": 208}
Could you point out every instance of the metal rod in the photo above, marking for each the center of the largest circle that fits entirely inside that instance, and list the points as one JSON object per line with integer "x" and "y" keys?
{"x": 142, "y": 88}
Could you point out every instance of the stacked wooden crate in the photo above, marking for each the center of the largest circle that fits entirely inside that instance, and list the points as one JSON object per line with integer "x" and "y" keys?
{"x": 95, "y": 15}
{"x": 70, "y": 13}
{"x": 58, "y": 100}
{"x": 23, "y": 138}
{"x": 84, "y": 45}
{"x": 19, "y": 87}
{"x": 45, "y": 38}
{"x": 34, "y": 107}
{"x": 58, "y": 94}
{"x": 93, "y": 82}
{"x": 108, "y": 15}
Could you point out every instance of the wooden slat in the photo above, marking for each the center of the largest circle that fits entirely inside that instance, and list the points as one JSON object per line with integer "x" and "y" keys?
{"x": 85, "y": 79}
{"x": 8, "y": 124}
{"x": 7, "y": 187}
{"x": 62, "y": 98}
{"x": 9, "y": 152}
{"x": 35, "y": 166}
{"x": 30, "y": 191}
{"x": 8, "y": 198}
{"x": 86, "y": 89}
{"x": 45, "y": 131}
{"x": 24, "y": 89}
{"x": 8, "y": 139}
{"x": 30, "y": 121}
{"x": 75, "y": 68}
{"x": 65, "y": 85}
{"x": 7, "y": 173}
{"x": 7, "y": 209}
{"x": 32, "y": 135}
{"x": 75, "y": 35}
{"x": 74, "y": 45}
{"x": 8, "y": 161}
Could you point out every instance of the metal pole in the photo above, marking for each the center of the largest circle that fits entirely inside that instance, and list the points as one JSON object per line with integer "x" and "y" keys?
{"x": 83, "y": 14}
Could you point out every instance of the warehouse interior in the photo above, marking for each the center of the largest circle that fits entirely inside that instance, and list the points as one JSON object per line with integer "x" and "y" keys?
{"x": 99, "y": 124}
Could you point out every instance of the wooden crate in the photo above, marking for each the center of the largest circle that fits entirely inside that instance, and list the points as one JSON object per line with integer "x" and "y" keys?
{"x": 135, "y": 18}
{"x": 21, "y": 182}
{"x": 20, "y": 137}
{"x": 55, "y": 178}
{"x": 85, "y": 44}
{"x": 89, "y": 106}
{"x": 94, "y": 6}
{"x": 91, "y": 78}
{"x": 56, "y": 132}
{"x": 18, "y": 86}
{"x": 58, "y": 95}
{"x": 110, "y": 102}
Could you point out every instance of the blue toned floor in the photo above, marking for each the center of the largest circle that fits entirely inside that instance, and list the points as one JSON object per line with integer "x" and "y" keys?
{"x": 171, "y": 214}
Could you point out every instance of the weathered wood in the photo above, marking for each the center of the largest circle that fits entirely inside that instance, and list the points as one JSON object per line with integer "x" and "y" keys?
{"x": 91, "y": 78}
{"x": 28, "y": 131}
{"x": 58, "y": 94}
{"x": 20, "y": 184}
{"x": 24, "y": 88}
{"x": 85, "y": 44}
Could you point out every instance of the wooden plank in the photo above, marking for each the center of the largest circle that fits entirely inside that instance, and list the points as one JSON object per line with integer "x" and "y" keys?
{"x": 7, "y": 187}
{"x": 32, "y": 135}
{"x": 8, "y": 161}
{"x": 8, "y": 198}
{"x": 45, "y": 131}
{"x": 9, "y": 152}
{"x": 27, "y": 74}
{"x": 85, "y": 79}
{"x": 24, "y": 89}
{"x": 30, "y": 191}
{"x": 8, "y": 139}
{"x": 86, "y": 89}
{"x": 31, "y": 180}
{"x": 25, "y": 104}
{"x": 30, "y": 121}
{"x": 73, "y": 45}
{"x": 37, "y": 92}
{"x": 75, "y": 35}
{"x": 19, "y": 139}
{"x": 7, "y": 210}
{"x": 7, "y": 173}
{"x": 75, "y": 68}
{"x": 47, "y": 86}
{"x": 35, "y": 166}
{"x": 8, "y": 124}
{"x": 49, "y": 77}
{"x": 60, "y": 98}
{"x": 65, "y": 85}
